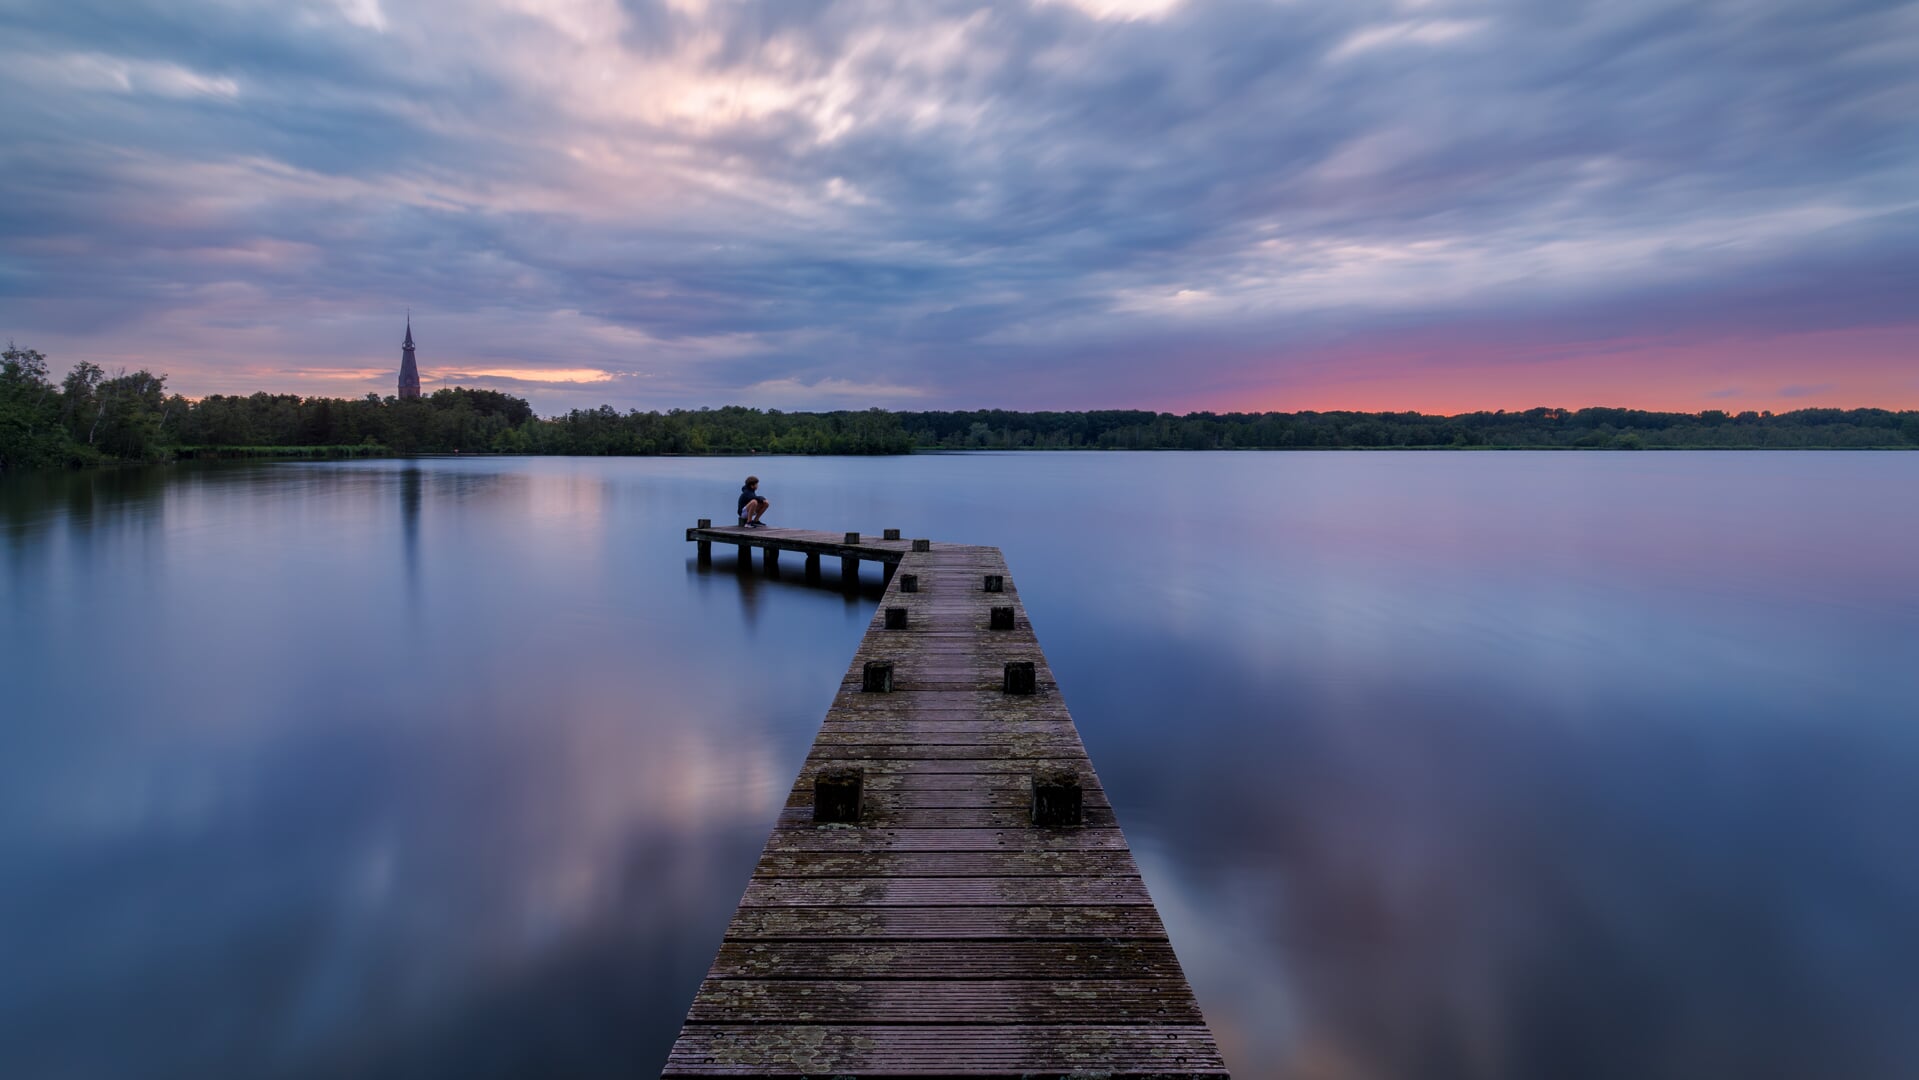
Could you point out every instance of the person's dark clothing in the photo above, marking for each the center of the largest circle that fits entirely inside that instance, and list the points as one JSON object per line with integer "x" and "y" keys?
{"x": 747, "y": 495}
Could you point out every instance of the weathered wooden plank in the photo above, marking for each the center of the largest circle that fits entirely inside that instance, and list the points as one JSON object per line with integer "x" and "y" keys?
{"x": 1039, "y": 923}
{"x": 883, "y": 707}
{"x": 941, "y": 1001}
{"x": 1019, "y": 781}
{"x": 937, "y": 723}
{"x": 886, "y": 802}
{"x": 803, "y": 838}
{"x": 946, "y": 864}
{"x": 918, "y": 817}
{"x": 888, "y": 779}
{"x": 948, "y": 766}
{"x": 1156, "y": 1050}
{"x": 1036, "y": 747}
{"x": 984, "y": 702}
{"x": 942, "y": 891}
{"x": 924, "y": 959}
{"x": 1004, "y": 733}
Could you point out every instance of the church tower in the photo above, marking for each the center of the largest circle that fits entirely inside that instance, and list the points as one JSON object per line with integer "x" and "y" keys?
{"x": 409, "y": 371}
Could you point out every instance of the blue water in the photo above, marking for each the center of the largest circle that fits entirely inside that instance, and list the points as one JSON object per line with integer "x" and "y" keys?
{"x": 1438, "y": 765}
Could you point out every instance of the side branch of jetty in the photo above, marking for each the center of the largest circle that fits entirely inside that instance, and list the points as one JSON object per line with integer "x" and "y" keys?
{"x": 947, "y": 892}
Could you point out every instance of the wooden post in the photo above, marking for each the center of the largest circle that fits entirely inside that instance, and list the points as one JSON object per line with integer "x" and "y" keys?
{"x": 886, "y": 572}
{"x": 770, "y": 559}
{"x": 922, "y": 545}
{"x": 877, "y": 677}
{"x": 746, "y": 558}
{"x": 891, "y": 534}
{"x": 706, "y": 552}
{"x": 836, "y": 796}
{"x": 896, "y": 618}
{"x": 1057, "y": 799}
{"x": 1002, "y": 619}
{"x": 812, "y": 566}
{"x": 995, "y": 583}
{"x": 852, "y": 538}
{"x": 704, "y": 523}
{"x": 909, "y": 583}
{"x": 849, "y": 572}
{"x": 1021, "y": 677}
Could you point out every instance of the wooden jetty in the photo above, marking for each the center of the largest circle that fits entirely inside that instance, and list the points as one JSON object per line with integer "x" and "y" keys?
{"x": 947, "y": 892}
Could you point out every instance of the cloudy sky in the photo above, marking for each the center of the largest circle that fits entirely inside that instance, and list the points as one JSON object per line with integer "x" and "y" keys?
{"x": 1174, "y": 204}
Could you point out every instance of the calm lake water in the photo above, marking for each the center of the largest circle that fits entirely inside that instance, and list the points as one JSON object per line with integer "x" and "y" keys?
{"x": 1438, "y": 765}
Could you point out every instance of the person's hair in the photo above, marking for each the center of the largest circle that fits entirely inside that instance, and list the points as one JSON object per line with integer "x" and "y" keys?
{"x": 751, "y": 480}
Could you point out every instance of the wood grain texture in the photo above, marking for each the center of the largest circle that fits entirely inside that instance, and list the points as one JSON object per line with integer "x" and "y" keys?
{"x": 942, "y": 934}
{"x": 952, "y": 960}
{"x": 1027, "y": 1050}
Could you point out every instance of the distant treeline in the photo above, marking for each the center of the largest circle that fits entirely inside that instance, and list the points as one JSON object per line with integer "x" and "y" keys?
{"x": 91, "y": 418}
{"x": 1612, "y": 429}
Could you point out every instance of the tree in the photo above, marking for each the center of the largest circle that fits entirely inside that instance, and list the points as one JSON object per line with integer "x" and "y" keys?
{"x": 80, "y": 401}
{"x": 127, "y": 424}
{"x": 30, "y": 432}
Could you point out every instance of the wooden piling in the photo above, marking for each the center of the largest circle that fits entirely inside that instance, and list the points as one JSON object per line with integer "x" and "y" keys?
{"x": 909, "y": 583}
{"x": 890, "y": 534}
{"x": 995, "y": 583}
{"x": 877, "y": 677}
{"x": 1057, "y": 799}
{"x": 1002, "y": 619}
{"x": 836, "y": 795}
{"x": 1021, "y": 677}
{"x": 896, "y": 618}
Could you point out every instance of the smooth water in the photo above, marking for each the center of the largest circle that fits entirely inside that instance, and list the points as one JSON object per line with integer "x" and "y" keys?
{"x": 1438, "y": 765}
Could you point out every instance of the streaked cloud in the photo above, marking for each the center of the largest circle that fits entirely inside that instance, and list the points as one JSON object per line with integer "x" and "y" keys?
{"x": 828, "y": 393}
{"x": 1120, "y": 9}
{"x": 1405, "y": 32}
{"x": 1054, "y": 203}
{"x": 534, "y": 376}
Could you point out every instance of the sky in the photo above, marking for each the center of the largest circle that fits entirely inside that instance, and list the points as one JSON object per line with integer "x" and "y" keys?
{"x": 1441, "y": 205}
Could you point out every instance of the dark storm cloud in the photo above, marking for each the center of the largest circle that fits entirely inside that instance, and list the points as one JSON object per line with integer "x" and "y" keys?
{"x": 937, "y": 197}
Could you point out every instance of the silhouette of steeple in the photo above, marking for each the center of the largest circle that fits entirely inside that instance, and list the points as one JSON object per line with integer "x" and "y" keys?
{"x": 409, "y": 371}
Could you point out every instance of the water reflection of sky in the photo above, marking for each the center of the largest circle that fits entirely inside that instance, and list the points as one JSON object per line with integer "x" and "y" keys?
{"x": 1439, "y": 765}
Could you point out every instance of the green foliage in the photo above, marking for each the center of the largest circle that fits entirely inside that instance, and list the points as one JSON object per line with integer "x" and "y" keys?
{"x": 460, "y": 420}
{"x": 30, "y": 430}
{"x": 731, "y": 430}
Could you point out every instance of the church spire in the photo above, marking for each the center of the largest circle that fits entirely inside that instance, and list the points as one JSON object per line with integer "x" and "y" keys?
{"x": 409, "y": 370}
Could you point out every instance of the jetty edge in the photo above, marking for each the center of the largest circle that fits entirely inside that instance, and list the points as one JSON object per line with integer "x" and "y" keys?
{"x": 947, "y": 891}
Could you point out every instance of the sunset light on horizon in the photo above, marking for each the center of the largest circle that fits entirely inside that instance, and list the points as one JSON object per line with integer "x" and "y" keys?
{"x": 1178, "y": 205}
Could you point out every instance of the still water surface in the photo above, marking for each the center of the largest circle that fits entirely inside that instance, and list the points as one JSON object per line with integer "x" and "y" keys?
{"x": 1438, "y": 765}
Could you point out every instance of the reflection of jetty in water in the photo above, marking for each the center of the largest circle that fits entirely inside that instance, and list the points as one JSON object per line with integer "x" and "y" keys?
{"x": 856, "y": 589}
{"x": 410, "y": 497}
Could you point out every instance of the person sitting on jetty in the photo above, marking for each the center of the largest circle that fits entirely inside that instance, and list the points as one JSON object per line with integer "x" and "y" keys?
{"x": 752, "y": 504}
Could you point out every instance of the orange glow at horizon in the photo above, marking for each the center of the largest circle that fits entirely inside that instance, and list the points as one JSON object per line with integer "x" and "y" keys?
{"x": 1870, "y": 368}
